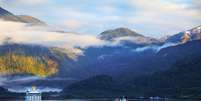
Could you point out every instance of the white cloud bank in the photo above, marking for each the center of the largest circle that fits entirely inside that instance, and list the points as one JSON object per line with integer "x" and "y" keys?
{"x": 155, "y": 48}
{"x": 21, "y": 33}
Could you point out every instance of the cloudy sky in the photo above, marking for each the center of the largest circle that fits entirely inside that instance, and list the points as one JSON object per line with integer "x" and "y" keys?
{"x": 149, "y": 17}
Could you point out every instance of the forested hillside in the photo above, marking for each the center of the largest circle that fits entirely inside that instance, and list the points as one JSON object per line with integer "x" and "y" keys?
{"x": 181, "y": 80}
{"x": 14, "y": 63}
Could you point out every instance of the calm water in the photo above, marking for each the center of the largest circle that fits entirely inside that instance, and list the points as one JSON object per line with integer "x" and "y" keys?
{"x": 113, "y": 100}
{"x": 104, "y": 100}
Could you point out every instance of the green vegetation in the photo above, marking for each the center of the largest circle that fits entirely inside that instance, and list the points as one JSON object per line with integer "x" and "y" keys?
{"x": 182, "y": 80}
{"x": 12, "y": 63}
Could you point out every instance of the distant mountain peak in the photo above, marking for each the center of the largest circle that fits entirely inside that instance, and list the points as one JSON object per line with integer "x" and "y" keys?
{"x": 118, "y": 32}
{"x": 8, "y": 16}
{"x": 123, "y": 34}
{"x": 185, "y": 36}
{"x": 4, "y": 12}
{"x": 30, "y": 19}
{"x": 125, "y": 30}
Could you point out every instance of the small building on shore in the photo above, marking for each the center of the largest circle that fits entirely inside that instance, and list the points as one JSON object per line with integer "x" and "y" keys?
{"x": 33, "y": 95}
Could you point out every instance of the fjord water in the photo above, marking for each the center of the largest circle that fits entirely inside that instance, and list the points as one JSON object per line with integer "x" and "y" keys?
{"x": 114, "y": 100}
{"x": 110, "y": 100}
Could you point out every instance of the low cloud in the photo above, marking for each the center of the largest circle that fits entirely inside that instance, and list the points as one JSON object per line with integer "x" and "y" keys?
{"x": 135, "y": 39}
{"x": 155, "y": 48}
{"x": 8, "y": 81}
{"x": 22, "y": 33}
{"x": 42, "y": 89}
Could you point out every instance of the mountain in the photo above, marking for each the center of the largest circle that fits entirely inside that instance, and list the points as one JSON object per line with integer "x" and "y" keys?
{"x": 3, "y": 90}
{"x": 102, "y": 85}
{"x": 27, "y": 64}
{"x": 195, "y": 34}
{"x": 4, "y": 93}
{"x": 118, "y": 32}
{"x": 131, "y": 58}
{"x": 8, "y": 16}
{"x": 163, "y": 59}
{"x": 19, "y": 59}
{"x": 180, "y": 79}
{"x": 12, "y": 63}
{"x": 125, "y": 34}
{"x": 30, "y": 20}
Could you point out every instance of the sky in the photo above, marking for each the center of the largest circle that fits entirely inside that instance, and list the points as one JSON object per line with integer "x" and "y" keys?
{"x": 154, "y": 18}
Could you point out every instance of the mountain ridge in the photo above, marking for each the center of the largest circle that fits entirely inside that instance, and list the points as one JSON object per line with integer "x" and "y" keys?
{"x": 172, "y": 82}
{"x": 195, "y": 34}
{"x": 117, "y": 32}
{"x": 8, "y": 16}
{"x": 123, "y": 34}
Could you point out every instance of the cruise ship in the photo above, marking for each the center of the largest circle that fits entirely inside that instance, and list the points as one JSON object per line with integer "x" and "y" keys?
{"x": 121, "y": 99}
{"x": 33, "y": 95}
